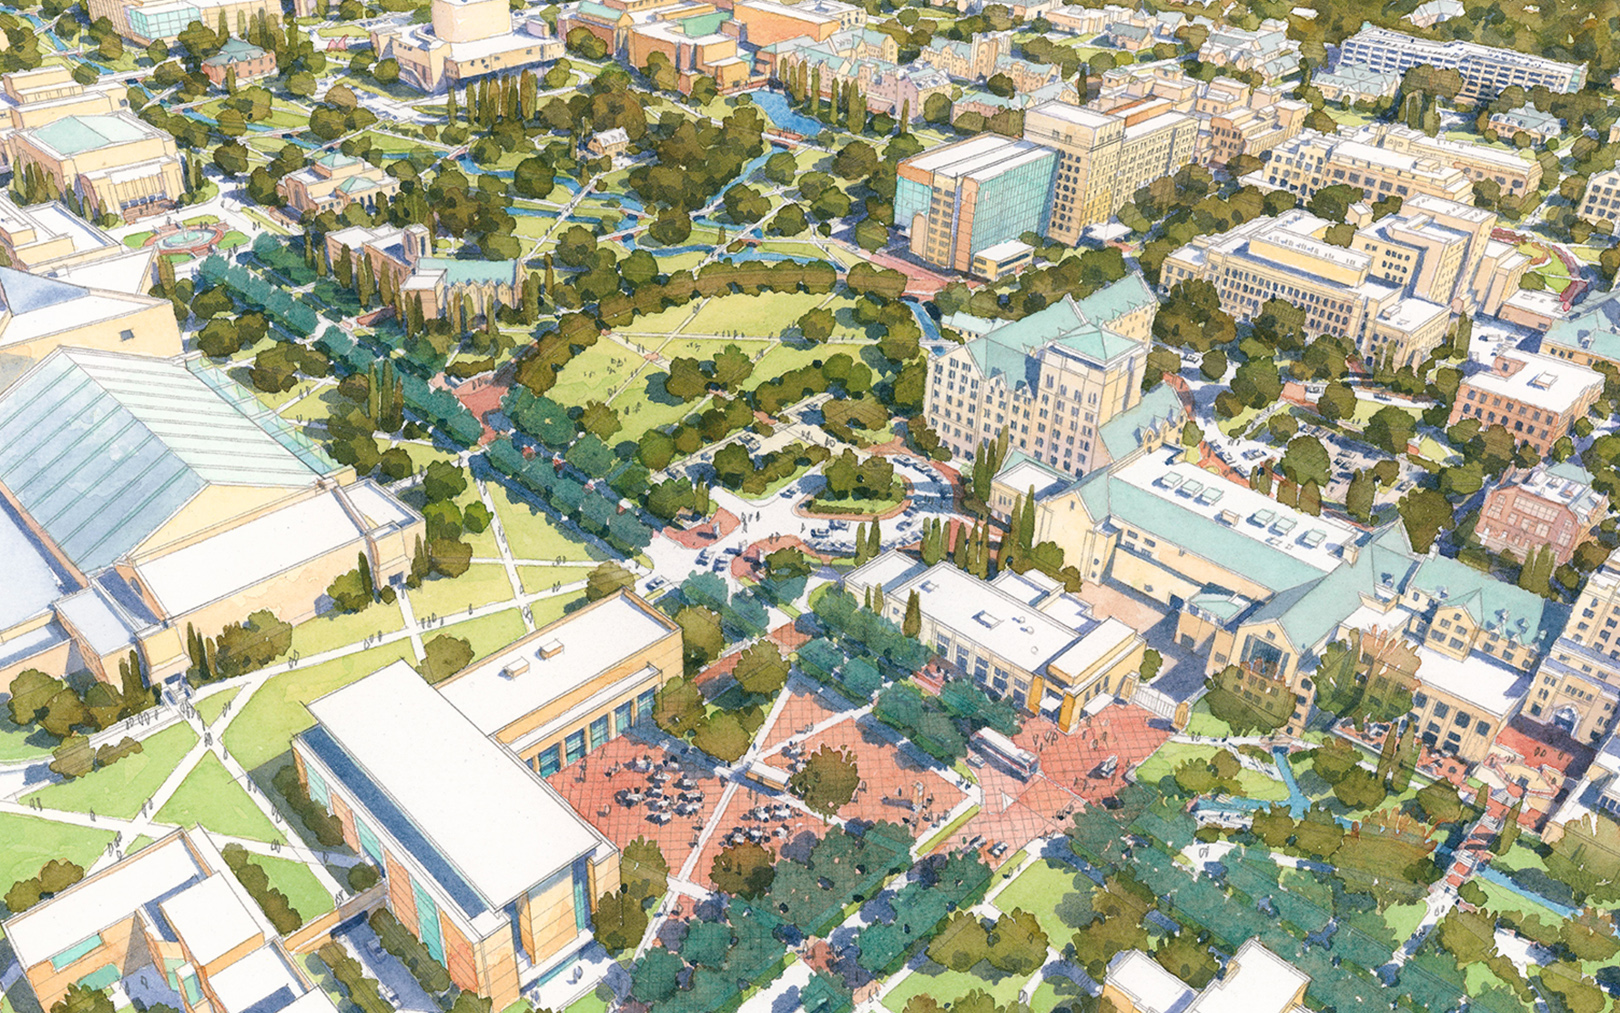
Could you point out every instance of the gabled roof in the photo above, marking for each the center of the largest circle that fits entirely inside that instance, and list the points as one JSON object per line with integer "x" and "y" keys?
{"x": 1123, "y": 433}
{"x": 102, "y": 449}
{"x": 1504, "y": 609}
{"x": 1078, "y": 326}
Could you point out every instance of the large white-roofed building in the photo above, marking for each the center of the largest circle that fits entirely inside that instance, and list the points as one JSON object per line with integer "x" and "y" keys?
{"x": 170, "y": 924}
{"x": 140, "y": 496}
{"x": 482, "y": 859}
{"x": 1537, "y": 398}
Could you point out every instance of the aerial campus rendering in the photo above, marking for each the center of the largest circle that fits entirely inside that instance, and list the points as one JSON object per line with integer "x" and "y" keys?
{"x": 761, "y": 506}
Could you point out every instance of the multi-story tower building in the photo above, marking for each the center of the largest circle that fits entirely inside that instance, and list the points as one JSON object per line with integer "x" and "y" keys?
{"x": 1105, "y": 157}
{"x": 1485, "y": 70}
{"x": 1601, "y": 202}
{"x": 1514, "y": 174}
{"x": 1314, "y": 160}
{"x": 1577, "y": 687}
{"x": 1537, "y": 398}
{"x": 1050, "y": 379}
{"x": 965, "y": 197}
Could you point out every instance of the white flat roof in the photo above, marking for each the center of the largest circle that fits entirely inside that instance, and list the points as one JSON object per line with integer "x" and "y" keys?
{"x": 210, "y": 918}
{"x": 980, "y": 157}
{"x": 1483, "y": 682}
{"x": 1150, "y": 987}
{"x": 501, "y": 827}
{"x": 1257, "y": 981}
{"x": 261, "y": 977}
{"x": 582, "y": 646}
{"x": 73, "y": 916}
{"x": 248, "y": 553}
{"x": 1544, "y": 382}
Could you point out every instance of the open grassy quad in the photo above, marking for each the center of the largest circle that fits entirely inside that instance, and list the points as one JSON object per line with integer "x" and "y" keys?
{"x": 210, "y": 798}
{"x": 541, "y": 578}
{"x": 638, "y": 413}
{"x": 31, "y": 842}
{"x": 946, "y": 986}
{"x": 488, "y": 634}
{"x": 482, "y": 584}
{"x": 209, "y": 708}
{"x": 335, "y": 629}
{"x": 1039, "y": 890}
{"x": 786, "y": 357}
{"x": 595, "y": 373}
{"x": 265, "y": 727}
{"x": 1171, "y": 755}
{"x": 664, "y": 321}
{"x": 483, "y": 542}
{"x": 531, "y": 533}
{"x": 764, "y": 315}
{"x": 120, "y": 790}
{"x": 293, "y": 878}
{"x": 20, "y": 743}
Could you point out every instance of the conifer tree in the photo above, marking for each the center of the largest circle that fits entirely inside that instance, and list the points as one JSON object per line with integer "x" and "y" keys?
{"x": 912, "y": 626}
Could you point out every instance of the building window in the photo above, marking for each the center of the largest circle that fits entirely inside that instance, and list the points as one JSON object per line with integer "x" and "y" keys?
{"x": 599, "y": 732}
{"x": 427, "y": 923}
{"x": 644, "y": 705}
{"x": 575, "y": 745}
{"x": 624, "y": 716}
{"x": 550, "y": 761}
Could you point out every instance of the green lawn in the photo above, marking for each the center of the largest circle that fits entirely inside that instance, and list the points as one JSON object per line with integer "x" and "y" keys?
{"x": 31, "y": 842}
{"x": 1403, "y": 919}
{"x": 488, "y": 634}
{"x": 209, "y": 797}
{"x": 532, "y": 534}
{"x": 783, "y": 358}
{"x": 946, "y": 986}
{"x": 541, "y": 578}
{"x": 1202, "y": 722}
{"x": 639, "y": 413}
{"x": 767, "y": 314}
{"x": 14, "y": 744}
{"x": 266, "y": 725}
{"x": 592, "y": 374}
{"x": 1038, "y": 890}
{"x": 339, "y": 629}
{"x": 665, "y": 321}
{"x": 1500, "y": 898}
{"x": 293, "y": 878}
{"x": 120, "y": 790}
{"x": 1173, "y": 754}
{"x": 482, "y": 584}
{"x": 211, "y": 707}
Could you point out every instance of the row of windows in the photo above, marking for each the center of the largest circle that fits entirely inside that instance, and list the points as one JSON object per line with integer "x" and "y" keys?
{"x": 594, "y": 735}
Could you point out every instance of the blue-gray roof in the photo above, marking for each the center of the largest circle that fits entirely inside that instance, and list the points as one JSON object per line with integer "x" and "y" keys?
{"x": 1505, "y": 609}
{"x": 1593, "y": 327}
{"x": 1123, "y": 433}
{"x": 1080, "y": 326}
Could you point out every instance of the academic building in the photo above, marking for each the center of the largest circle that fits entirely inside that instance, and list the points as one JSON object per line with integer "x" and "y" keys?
{"x": 143, "y": 496}
{"x": 482, "y": 860}
{"x": 1019, "y": 635}
{"x": 404, "y": 255}
{"x": 37, "y": 98}
{"x": 1485, "y": 70}
{"x": 1051, "y": 379}
{"x": 570, "y": 687}
{"x": 146, "y": 21}
{"x": 334, "y": 181}
{"x": 465, "y": 40}
{"x": 1588, "y": 334}
{"x": 1552, "y": 505}
{"x": 1255, "y": 980}
{"x": 965, "y": 197}
{"x": 1105, "y": 157}
{"x": 169, "y": 923}
{"x": 115, "y": 163}
{"x": 1315, "y": 160}
{"x": 1537, "y": 398}
{"x": 1577, "y": 688}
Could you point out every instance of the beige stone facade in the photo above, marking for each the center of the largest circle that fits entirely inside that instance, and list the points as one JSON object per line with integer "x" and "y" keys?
{"x": 333, "y": 182}
{"x": 115, "y": 163}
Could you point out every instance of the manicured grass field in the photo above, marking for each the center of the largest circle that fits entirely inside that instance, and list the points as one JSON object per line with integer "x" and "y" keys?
{"x": 768, "y": 314}
{"x": 541, "y": 578}
{"x": 1173, "y": 754}
{"x": 1038, "y": 889}
{"x": 531, "y": 533}
{"x": 293, "y": 878}
{"x": 595, "y": 373}
{"x": 482, "y": 584}
{"x": 947, "y": 986}
{"x": 31, "y": 842}
{"x": 276, "y": 713}
{"x": 209, "y": 797}
{"x": 337, "y": 629}
{"x": 119, "y": 790}
{"x": 211, "y": 707}
{"x": 14, "y": 744}
{"x": 488, "y": 634}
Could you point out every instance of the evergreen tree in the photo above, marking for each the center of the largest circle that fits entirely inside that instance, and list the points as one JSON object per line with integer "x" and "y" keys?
{"x": 364, "y": 567}
{"x": 875, "y": 546}
{"x": 1408, "y": 753}
{"x": 1386, "y": 757}
{"x": 1026, "y": 527}
{"x": 862, "y": 551}
{"x": 344, "y": 269}
{"x": 1310, "y": 498}
{"x": 905, "y": 118}
{"x": 912, "y": 626}
{"x": 959, "y": 540}
{"x": 1510, "y": 828}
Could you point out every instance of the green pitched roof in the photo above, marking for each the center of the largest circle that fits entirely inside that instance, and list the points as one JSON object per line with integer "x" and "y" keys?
{"x": 234, "y": 51}
{"x": 74, "y": 135}
{"x": 471, "y": 272}
{"x": 1593, "y": 327}
{"x": 1503, "y": 608}
{"x": 1080, "y": 326}
{"x": 1123, "y": 433}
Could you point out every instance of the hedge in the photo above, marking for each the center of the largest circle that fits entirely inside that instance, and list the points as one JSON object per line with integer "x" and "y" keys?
{"x": 410, "y": 951}
{"x": 362, "y": 991}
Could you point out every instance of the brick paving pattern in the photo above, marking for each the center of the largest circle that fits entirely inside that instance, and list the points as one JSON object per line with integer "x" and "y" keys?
{"x": 781, "y": 829}
{"x": 895, "y": 788}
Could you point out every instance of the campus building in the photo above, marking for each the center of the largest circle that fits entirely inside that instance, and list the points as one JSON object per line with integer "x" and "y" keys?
{"x": 1537, "y": 398}
{"x": 48, "y": 238}
{"x": 1266, "y": 50}
{"x": 1350, "y": 83}
{"x": 142, "y": 496}
{"x": 1018, "y": 636}
{"x": 963, "y": 197}
{"x": 483, "y": 861}
{"x": 692, "y": 36}
{"x": 1527, "y": 119}
{"x": 766, "y": 22}
{"x": 115, "y": 164}
{"x": 863, "y": 59}
{"x": 405, "y": 255}
{"x": 1233, "y": 118}
{"x": 1589, "y": 333}
{"x": 1577, "y": 688}
{"x": 1255, "y": 980}
{"x": 1485, "y": 70}
{"x": 236, "y": 56}
{"x": 569, "y": 687}
{"x": 465, "y": 40}
{"x": 39, "y": 315}
{"x": 971, "y": 59}
{"x": 1105, "y": 157}
{"x": 169, "y": 924}
{"x": 1515, "y": 175}
{"x": 37, "y": 98}
{"x": 1364, "y": 295}
{"x": 1601, "y": 202}
{"x": 1389, "y": 160}
{"x": 1052, "y": 379}
{"x": 1552, "y": 505}
{"x": 334, "y": 181}
{"x": 146, "y": 21}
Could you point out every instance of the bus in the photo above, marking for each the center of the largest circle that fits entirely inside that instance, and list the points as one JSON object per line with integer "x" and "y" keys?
{"x": 1014, "y": 758}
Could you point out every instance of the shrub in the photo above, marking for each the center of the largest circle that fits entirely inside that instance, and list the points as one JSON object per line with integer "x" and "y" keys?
{"x": 362, "y": 991}
{"x": 271, "y": 901}
{"x": 328, "y": 829}
{"x": 410, "y": 951}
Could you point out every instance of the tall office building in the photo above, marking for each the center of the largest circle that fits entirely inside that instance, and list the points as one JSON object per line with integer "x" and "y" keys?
{"x": 1106, "y": 157}
{"x": 1485, "y": 70}
{"x": 972, "y": 195}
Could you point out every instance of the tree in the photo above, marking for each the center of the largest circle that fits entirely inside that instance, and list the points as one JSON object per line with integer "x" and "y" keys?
{"x": 83, "y": 999}
{"x": 827, "y": 781}
{"x": 743, "y": 870}
{"x": 619, "y": 920}
{"x": 606, "y": 579}
{"x": 1425, "y": 513}
{"x": 723, "y": 736}
{"x": 912, "y": 625}
{"x": 643, "y": 868}
{"x": 1017, "y": 943}
{"x": 444, "y": 656}
{"x": 761, "y": 670}
{"x": 700, "y": 635}
{"x": 1306, "y": 460}
{"x": 679, "y": 707}
{"x": 1358, "y": 499}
